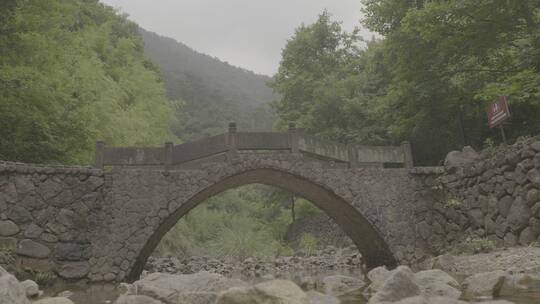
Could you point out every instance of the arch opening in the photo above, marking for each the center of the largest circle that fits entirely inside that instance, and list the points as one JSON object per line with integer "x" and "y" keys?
{"x": 372, "y": 246}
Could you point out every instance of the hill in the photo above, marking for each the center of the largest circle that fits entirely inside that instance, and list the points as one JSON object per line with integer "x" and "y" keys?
{"x": 214, "y": 91}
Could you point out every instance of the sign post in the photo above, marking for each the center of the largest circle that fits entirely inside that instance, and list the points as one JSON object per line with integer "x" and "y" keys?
{"x": 498, "y": 112}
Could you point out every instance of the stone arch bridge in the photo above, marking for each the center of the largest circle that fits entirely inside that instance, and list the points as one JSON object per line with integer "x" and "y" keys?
{"x": 102, "y": 223}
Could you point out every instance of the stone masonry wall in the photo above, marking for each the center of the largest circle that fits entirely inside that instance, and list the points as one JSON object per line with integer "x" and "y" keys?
{"x": 46, "y": 217}
{"x": 496, "y": 196}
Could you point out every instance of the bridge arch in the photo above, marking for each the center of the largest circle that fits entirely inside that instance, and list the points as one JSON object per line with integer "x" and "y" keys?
{"x": 365, "y": 236}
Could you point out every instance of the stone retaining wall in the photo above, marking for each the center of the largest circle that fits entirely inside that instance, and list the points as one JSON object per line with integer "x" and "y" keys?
{"x": 497, "y": 196}
{"x": 46, "y": 215}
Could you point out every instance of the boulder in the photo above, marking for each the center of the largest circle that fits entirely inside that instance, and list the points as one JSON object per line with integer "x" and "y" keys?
{"x": 31, "y": 288}
{"x": 399, "y": 285}
{"x": 460, "y": 158}
{"x": 482, "y": 285}
{"x": 56, "y": 300}
{"x": 11, "y": 291}
{"x": 338, "y": 285}
{"x": 518, "y": 217}
{"x": 377, "y": 276}
{"x": 184, "y": 289}
{"x": 136, "y": 300}
{"x": 270, "y": 292}
{"x": 437, "y": 283}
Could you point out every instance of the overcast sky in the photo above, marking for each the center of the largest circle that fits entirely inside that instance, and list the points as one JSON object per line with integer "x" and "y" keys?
{"x": 245, "y": 33}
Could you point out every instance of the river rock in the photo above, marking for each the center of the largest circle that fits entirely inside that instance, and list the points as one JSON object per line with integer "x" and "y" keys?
{"x": 399, "y": 285}
{"x": 481, "y": 285}
{"x": 338, "y": 285}
{"x": 57, "y": 300}
{"x": 184, "y": 289}
{"x": 377, "y": 276}
{"x": 31, "y": 288}
{"x": 437, "y": 283}
{"x": 74, "y": 270}
{"x": 11, "y": 291}
{"x": 136, "y": 300}
{"x": 8, "y": 228}
{"x": 271, "y": 292}
{"x": 315, "y": 297}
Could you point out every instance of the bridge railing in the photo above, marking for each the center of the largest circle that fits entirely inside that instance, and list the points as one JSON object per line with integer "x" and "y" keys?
{"x": 233, "y": 141}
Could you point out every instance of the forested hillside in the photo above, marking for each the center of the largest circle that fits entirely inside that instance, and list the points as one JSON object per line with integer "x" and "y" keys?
{"x": 73, "y": 72}
{"x": 214, "y": 92}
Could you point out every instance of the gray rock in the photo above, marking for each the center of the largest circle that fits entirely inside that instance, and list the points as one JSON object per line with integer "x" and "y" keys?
{"x": 19, "y": 215}
{"x": 527, "y": 236}
{"x": 377, "y": 276}
{"x": 437, "y": 283}
{"x": 518, "y": 217}
{"x": 8, "y": 228}
{"x": 31, "y": 288}
{"x": 510, "y": 239}
{"x": 504, "y": 205}
{"x": 276, "y": 291}
{"x": 74, "y": 270}
{"x": 460, "y": 158}
{"x": 70, "y": 251}
{"x": 8, "y": 243}
{"x": 400, "y": 285}
{"x": 33, "y": 249}
{"x": 533, "y": 197}
{"x": 11, "y": 291}
{"x": 534, "y": 176}
{"x": 476, "y": 216}
{"x": 535, "y": 210}
{"x": 33, "y": 231}
{"x": 487, "y": 284}
{"x": 536, "y": 146}
{"x": 136, "y": 300}
{"x": 171, "y": 288}
{"x": 338, "y": 285}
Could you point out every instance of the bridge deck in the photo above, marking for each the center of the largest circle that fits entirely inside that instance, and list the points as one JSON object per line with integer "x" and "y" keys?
{"x": 232, "y": 142}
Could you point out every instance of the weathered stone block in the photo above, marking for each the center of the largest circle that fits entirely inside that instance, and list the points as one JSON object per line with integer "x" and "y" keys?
{"x": 73, "y": 270}
{"x": 8, "y": 243}
{"x": 71, "y": 252}
{"x": 504, "y": 205}
{"x": 8, "y": 228}
{"x": 19, "y": 215}
{"x": 33, "y": 249}
{"x": 518, "y": 217}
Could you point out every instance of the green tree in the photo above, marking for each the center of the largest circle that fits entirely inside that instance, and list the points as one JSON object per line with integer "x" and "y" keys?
{"x": 447, "y": 60}
{"x": 323, "y": 84}
{"x": 72, "y": 72}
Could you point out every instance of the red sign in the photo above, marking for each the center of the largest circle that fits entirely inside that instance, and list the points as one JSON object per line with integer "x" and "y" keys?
{"x": 498, "y": 112}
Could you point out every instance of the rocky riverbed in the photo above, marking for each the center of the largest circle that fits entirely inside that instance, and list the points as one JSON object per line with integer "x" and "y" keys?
{"x": 502, "y": 277}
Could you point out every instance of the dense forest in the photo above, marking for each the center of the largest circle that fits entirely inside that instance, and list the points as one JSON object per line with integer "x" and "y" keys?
{"x": 73, "y": 72}
{"x": 428, "y": 79}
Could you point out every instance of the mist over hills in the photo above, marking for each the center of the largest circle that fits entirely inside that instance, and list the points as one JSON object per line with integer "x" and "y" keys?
{"x": 214, "y": 92}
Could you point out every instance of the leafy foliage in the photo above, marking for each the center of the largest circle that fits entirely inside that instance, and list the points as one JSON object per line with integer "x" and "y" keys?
{"x": 428, "y": 80}
{"x": 241, "y": 222}
{"x": 72, "y": 72}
